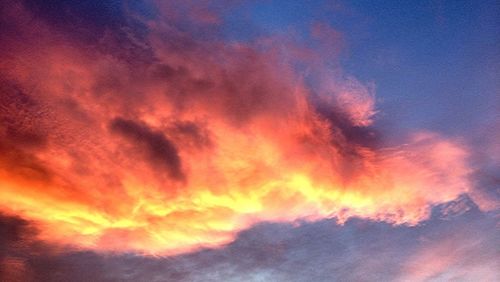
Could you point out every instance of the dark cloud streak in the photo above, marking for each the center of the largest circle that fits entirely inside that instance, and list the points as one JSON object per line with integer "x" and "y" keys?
{"x": 158, "y": 148}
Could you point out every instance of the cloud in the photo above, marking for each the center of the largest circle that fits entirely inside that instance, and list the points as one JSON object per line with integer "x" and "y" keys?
{"x": 21, "y": 133}
{"x": 253, "y": 138}
{"x": 159, "y": 149}
{"x": 445, "y": 247}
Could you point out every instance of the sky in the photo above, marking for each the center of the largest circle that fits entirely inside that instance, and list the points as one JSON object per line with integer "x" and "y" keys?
{"x": 249, "y": 140}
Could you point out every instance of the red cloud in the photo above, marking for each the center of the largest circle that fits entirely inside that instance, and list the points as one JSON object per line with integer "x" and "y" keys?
{"x": 115, "y": 161}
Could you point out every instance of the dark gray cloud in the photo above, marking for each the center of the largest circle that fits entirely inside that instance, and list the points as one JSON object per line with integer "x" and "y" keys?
{"x": 156, "y": 146}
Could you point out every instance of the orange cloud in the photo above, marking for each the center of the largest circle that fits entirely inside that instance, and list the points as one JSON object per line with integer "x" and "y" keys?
{"x": 177, "y": 143}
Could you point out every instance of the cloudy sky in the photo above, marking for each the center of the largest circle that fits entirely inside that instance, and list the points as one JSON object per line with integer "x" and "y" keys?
{"x": 249, "y": 140}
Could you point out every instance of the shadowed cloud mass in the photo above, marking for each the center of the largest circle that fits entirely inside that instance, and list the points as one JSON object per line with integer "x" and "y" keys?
{"x": 158, "y": 148}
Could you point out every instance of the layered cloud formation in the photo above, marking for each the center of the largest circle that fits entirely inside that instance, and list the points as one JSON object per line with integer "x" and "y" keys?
{"x": 447, "y": 248}
{"x": 144, "y": 127}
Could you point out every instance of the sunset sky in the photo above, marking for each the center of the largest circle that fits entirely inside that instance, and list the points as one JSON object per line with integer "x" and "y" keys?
{"x": 249, "y": 140}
